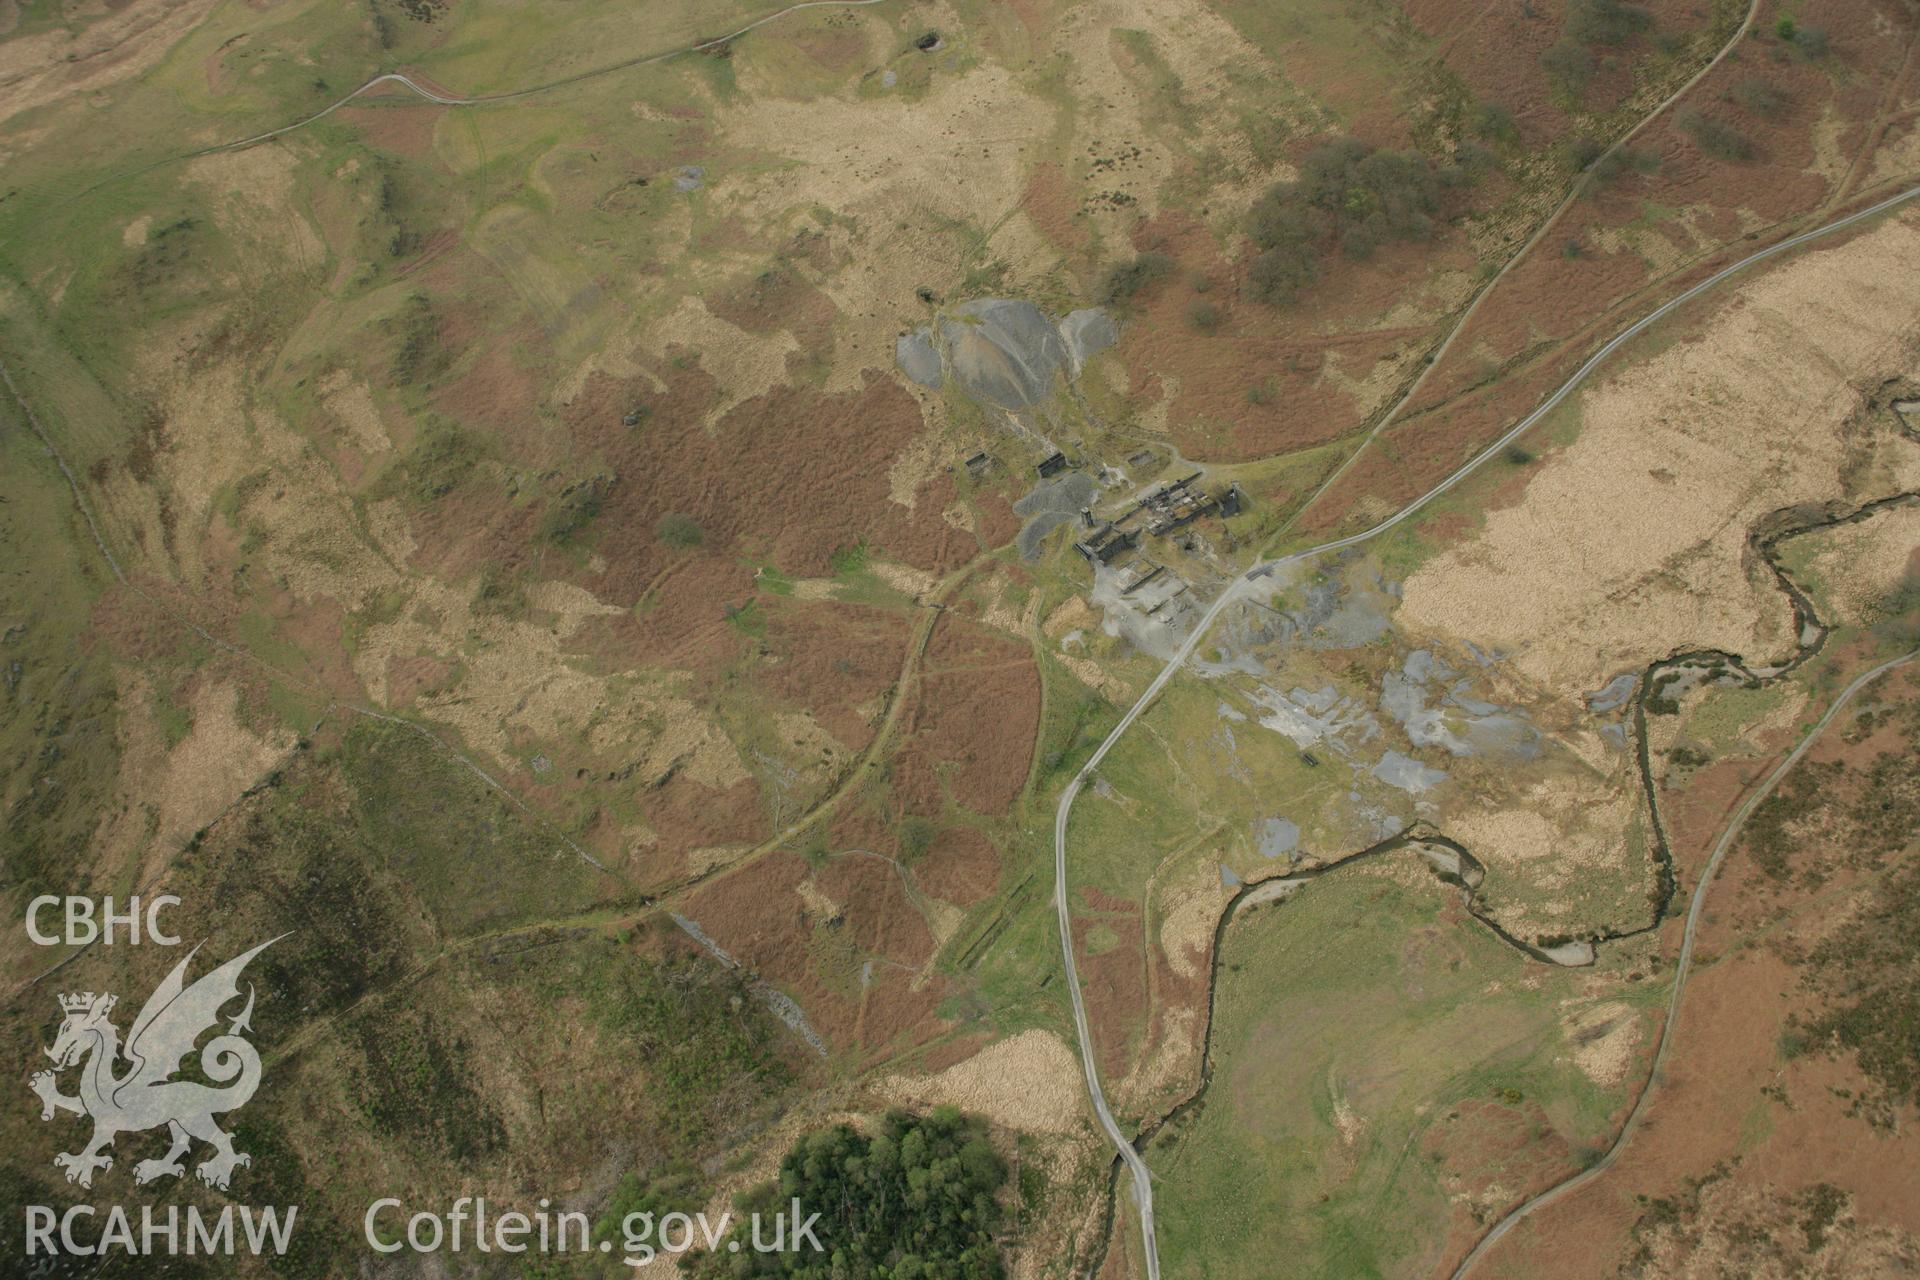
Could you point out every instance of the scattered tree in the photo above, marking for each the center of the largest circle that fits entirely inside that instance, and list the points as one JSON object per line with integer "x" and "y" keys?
{"x": 914, "y": 836}
{"x": 1581, "y": 150}
{"x": 1761, "y": 97}
{"x": 1810, "y": 42}
{"x": 1348, "y": 196}
{"x": 1623, "y": 160}
{"x": 1493, "y": 122}
{"x": 1128, "y": 278}
{"x": 1570, "y": 66}
{"x": 675, "y": 1188}
{"x": 679, "y": 533}
{"x": 443, "y": 455}
{"x": 1607, "y": 22}
{"x": 1471, "y": 160}
{"x": 578, "y": 504}
{"x": 418, "y": 354}
{"x": 1715, "y": 137}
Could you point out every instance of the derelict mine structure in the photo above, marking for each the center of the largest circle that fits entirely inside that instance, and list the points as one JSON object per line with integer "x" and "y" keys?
{"x": 1021, "y": 369}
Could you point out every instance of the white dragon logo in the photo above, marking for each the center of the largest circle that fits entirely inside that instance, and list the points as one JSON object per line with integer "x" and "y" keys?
{"x": 145, "y": 1096}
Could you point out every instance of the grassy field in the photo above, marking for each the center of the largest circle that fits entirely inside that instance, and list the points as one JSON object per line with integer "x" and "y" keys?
{"x": 58, "y": 752}
{"x": 567, "y": 430}
{"x": 1351, "y": 1024}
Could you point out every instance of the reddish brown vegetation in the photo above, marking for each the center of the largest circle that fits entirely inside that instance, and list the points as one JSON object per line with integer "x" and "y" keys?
{"x": 402, "y": 125}
{"x": 1114, "y": 985}
{"x": 409, "y": 677}
{"x": 840, "y": 49}
{"x": 1552, "y": 307}
{"x": 971, "y": 730}
{"x": 1261, "y": 381}
{"x": 1729, "y": 1103}
{"x": 961, "y": 866}
{"x": 786, "y": 478}
{"x": 831, "y": 658}
{"x": 997, "y": 522}
{"x": 683, "y": 624}
{"x": 781, "y": 299}
{"x": 689, "y": 815}
{"x": 494, "y": 390}
{"x": 1050, "y": 202}
{"x": 759, "y": 917}
{"x": 877, "y": 913}
{"x": 1486, "y": 1147}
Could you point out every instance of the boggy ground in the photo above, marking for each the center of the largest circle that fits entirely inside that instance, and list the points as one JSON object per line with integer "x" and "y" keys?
{"x": 1815, "y": 136}
{"x": 1773, "y": 1148}
{"x": 1853, "y": 450}
{"x": 566, "y": 431}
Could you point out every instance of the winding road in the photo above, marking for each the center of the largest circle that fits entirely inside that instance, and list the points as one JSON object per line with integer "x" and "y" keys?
{"x": 1248, "y": 584}
{"x": 1252, "y": 581}
{"x": 1580, "y": 188}
{"x": 446, "y": 100}
{"x": 1680, "y": 975}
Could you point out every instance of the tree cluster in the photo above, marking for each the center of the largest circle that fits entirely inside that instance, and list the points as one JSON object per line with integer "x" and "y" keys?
{"x": 1348, "y": 196}
{"x": 1608, "y": 23}
{"x": 1715, "y": 137}
{"x": 916, "y": 1201}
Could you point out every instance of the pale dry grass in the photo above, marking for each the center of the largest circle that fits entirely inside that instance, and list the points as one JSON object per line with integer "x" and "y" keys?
{"x": 1000, "y": 613}
{"x": 1188, "y": 915}
{"x": 1756, "y": 1232}
{"x": 1899, "y": 156}
{"x": 815, "y": 903}
{"x": 1029, "y": 1082}
{"x": 41, "y": 69}
{"x": 1547, "y": 839}
{"x": 814, "y": 755}
{"x": 744, "y": 365}
{"x": 1603, "y": 1038}
{"x": 943, "y": 921}
{"x": 1097, "y": 678}
{"x": 895, "y": 170}
{"x": 166, "y": 796}
{"x": 1169, "y": 1065}
{"x": 1862, "y": 564}
{"x": 517, "y": 679}
{"x": 351, "y": 401}
{"x": 1208, "y": 56}
{"x": 905, "y": 579}
{"x": 1632, "y": 541}
{"x": 815, "y": 589}
{"x": 254, "y": 202}
{"x": 1071, "y": 614}
{"x": 1347, "y": 1121}
{"x": 913, "y": 466}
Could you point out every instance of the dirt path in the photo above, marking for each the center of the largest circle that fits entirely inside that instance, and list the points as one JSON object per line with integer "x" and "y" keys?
{"x": 1249, "y": 583}
{"x": 447, "y": 100}
{"x": 1460, "y": 326}
{"x": 1471, "y": 873}
{"x": 437, "y": 98}
{"x": 1720, "y": 848}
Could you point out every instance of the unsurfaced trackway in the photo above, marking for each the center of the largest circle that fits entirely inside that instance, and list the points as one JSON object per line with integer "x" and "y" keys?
{"x": 448, "y": 100}
{"x": 1682, "y": 966}
{"x": 1254, "y": 581}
